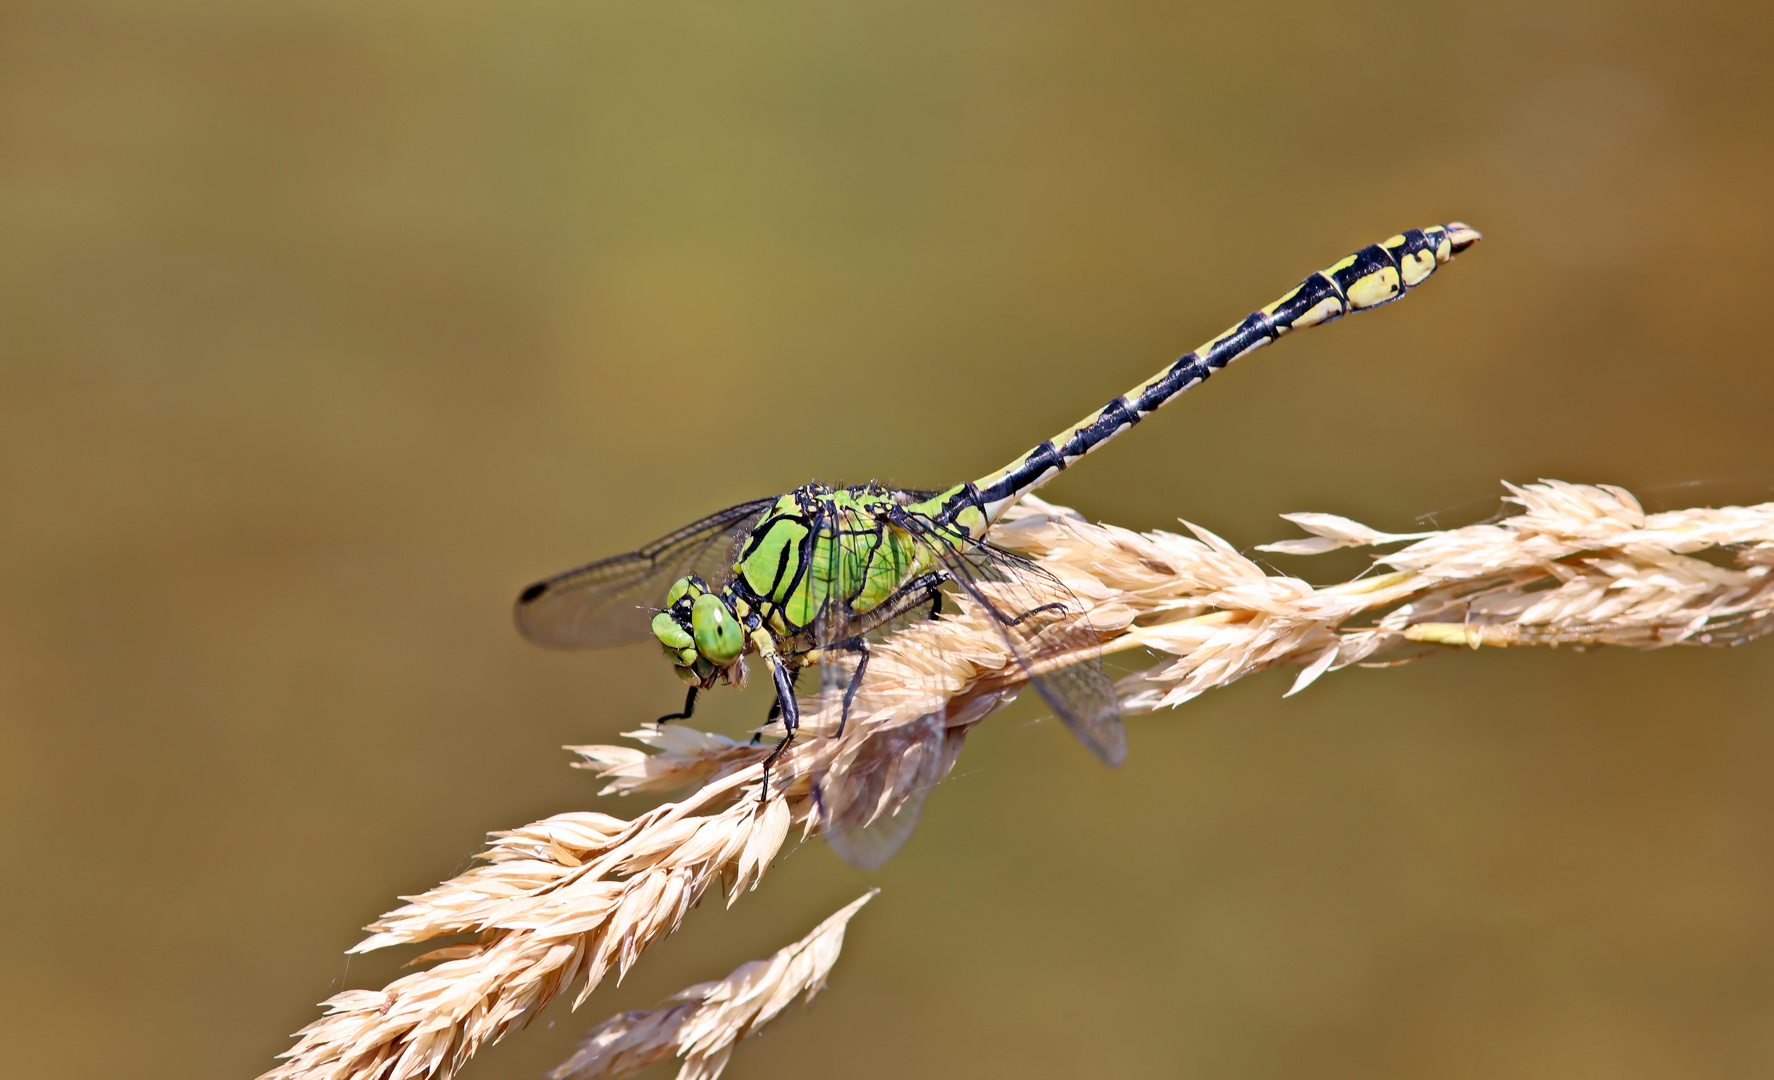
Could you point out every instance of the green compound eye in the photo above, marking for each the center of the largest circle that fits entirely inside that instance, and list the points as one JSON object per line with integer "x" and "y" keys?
{"x": 669, "y": 633}
{"x": 718, "y": 634}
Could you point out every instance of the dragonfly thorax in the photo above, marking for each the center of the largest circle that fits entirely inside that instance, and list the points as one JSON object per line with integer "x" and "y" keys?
{"x": 702, "y": 634}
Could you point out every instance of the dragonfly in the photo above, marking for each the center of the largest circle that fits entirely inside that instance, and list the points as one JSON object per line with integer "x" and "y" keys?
{"x": 804, "y": 578}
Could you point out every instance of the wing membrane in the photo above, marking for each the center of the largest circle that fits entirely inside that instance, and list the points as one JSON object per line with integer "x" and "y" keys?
{"x": 873, "y": 801}
{"x": 836, "y": 556}
{"x": 1040, "y": 620}
{"x": 611, "y": 601}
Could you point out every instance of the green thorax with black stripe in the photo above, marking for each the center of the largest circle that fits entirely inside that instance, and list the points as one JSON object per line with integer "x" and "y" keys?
{"x": 821, "y": 546}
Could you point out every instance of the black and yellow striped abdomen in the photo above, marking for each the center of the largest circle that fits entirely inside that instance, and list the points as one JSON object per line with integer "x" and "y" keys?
{"x": 1375, "y": 275}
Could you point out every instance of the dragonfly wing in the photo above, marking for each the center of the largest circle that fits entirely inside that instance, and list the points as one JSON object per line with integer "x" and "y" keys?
{"x": 1041, "y": 621}
{"x": 873, "y": 798}
{"x": 612, "y": 601}
{"x": 836, "y": 566}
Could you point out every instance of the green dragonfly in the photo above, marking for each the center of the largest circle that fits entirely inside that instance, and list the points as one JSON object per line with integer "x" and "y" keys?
{"x": 803, "y": 578}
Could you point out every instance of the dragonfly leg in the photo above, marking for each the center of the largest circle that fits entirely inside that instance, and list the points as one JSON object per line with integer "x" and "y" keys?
{"x": 775, "y": 711}
{"x": 791, "y": 717}
{"x": 1056, "y": 607}
{"x": 930, "y": 586}
{"x": 689, "y": 708}
{"x": 858, "y": 645}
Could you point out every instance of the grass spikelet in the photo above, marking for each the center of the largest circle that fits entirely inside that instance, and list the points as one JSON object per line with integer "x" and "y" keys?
{"x": 703, "y": 1023}
{"x": 565, "y": 900}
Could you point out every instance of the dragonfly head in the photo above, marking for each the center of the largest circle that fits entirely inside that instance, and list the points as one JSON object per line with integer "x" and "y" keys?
{"x": 700, "y": 632}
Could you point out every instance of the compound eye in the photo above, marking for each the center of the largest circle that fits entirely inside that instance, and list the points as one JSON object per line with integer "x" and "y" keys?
{"x": 719, "y": 636}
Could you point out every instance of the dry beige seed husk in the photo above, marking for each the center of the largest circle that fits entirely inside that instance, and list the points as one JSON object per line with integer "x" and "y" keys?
{"x": 567, "y": 900}
{"x": 703, "y": 1023}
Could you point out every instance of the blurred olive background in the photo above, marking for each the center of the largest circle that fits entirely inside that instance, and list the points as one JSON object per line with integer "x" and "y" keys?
{"x": 326, "y": 326}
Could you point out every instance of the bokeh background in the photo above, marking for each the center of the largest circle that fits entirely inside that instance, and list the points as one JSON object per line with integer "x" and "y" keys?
{"x": 326, "y": 326}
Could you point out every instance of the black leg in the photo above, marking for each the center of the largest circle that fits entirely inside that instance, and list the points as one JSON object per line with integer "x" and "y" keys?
{"x": 689, "y": 708}
{"x": 1057, "y": 607}
{"x": 855, "y": 645}
{"x": 775, "y": 711}
{"x": 791, "y": 718}
{"x": 935, "y": 601}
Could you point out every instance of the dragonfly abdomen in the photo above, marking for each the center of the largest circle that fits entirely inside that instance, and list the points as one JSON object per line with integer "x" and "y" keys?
{"x": 1375, "y": 275}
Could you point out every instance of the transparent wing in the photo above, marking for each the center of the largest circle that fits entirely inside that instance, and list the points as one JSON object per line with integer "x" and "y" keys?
{"x": 873, "y": 795}
{"x": 1040, "y": 619}
{"x": 843, "y": 532}
{"x": 872, "y": 801}
{"x": 612, "y": 601}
